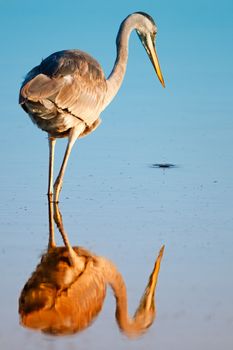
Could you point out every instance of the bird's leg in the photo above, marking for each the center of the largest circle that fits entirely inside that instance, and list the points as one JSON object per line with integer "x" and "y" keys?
{"x": 52, "y": 142}
{"x": 74, "y": 134}
{"x": 51, "y": 243}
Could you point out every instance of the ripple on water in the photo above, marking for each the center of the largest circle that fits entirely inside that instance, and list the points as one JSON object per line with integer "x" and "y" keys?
{"x": 163, "y": 165}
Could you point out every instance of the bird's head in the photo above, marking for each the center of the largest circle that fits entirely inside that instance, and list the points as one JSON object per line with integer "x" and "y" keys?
{"x": 147, "y": 30}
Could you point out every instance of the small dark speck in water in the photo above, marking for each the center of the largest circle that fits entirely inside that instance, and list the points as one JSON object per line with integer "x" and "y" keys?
{"x": 163, "y": 165}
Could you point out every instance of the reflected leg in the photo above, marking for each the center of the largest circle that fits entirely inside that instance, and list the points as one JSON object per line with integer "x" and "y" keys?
{"x": 75, "y": 260}
{"x": 51, "y": 243}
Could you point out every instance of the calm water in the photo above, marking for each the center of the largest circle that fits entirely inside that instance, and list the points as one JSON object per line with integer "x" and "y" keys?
{"x": 114, "y": 202}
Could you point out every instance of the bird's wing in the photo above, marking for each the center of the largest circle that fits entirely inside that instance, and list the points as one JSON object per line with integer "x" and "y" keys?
{"x": 72, "y": 80}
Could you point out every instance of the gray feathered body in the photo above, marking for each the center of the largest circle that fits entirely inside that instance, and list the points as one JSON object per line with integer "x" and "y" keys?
{"x": 66, "y": 89}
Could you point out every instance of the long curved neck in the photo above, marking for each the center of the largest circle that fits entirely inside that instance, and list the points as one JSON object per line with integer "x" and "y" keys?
{"x": 115, "y": 280}
{"x": 116, "y": 77}
{"x": 145, "y": 313}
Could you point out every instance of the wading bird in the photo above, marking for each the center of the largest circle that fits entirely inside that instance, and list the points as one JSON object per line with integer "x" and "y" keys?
{"x": 66, "y": 93}
{"x": 67, "y": 291}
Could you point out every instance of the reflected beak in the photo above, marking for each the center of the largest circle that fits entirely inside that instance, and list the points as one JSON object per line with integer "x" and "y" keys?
{"x": 154, "y": 58}
{"x": 148, "y": 43}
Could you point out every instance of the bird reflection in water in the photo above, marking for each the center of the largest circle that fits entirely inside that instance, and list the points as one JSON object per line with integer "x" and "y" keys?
{"x": 67, "y": 289}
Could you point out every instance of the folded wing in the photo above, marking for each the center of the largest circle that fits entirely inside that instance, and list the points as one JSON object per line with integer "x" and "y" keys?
{"x": 69, "y": 81}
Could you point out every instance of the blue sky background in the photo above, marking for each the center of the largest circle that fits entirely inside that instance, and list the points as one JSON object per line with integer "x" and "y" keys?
{"x": 194, "y": 44}
{"x": 112, "y": 200}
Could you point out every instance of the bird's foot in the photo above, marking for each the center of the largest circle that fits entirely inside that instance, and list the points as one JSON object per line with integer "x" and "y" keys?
{"x": 56, "y": 197}
{"x": 57, "y": 188}
{"x": 50, "y": 197}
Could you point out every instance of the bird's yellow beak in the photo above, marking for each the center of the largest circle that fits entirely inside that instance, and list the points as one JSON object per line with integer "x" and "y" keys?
{"x": 154, "y": 58}
{"x": 148, "y": 41}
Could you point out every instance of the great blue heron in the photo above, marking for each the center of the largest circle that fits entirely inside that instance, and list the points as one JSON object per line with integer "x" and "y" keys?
{"x": 66, "y": 93}
{"x": 67, "y": 290}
